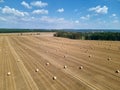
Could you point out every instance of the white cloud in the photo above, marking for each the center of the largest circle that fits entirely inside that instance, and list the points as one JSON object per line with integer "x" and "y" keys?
{"x": 51, "y": 20}
{"x": 114, "y": 15}
{"x": 28, "y": 19}
{"x": 77, "y": 22}
{"x": 39, "y": 4}
{"x": 87, "y": 17}
{"x": 56, "y": 23}
{"x": 39, "y": 22}
{"x": 26, "y": 5}
{"x": 3, "y": 19}
{"x": 116, "y": 21}
{"x": 1, "y": 1}
{"x": 8, "y": 10}
{"x": 100, "y": 10}
{"x": 40, "y": 11}
{"x": 60, "y": 10}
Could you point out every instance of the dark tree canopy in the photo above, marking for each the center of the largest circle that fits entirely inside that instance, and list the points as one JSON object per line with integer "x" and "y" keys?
{"x": 115, "y": 36}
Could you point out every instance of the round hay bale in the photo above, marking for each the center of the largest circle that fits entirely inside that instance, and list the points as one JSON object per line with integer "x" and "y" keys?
{"x": 65, "y": 67}
{"x": 64, "y": 56}
{"x": 36, "y": 70}
{"x": 117, "y": 71}
{"x": 9, "y": 73}
{"x": 47, "y": 64}
{"x": 54, "y": 78}
{"x": 90, "y": 56}
{"x": 109, "y": 59}
{"x": 81, "y": 67}
{"x": 18, "y": 60}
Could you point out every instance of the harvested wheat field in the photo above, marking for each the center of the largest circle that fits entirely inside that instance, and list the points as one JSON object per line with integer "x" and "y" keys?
{"x": 43, "y": 62}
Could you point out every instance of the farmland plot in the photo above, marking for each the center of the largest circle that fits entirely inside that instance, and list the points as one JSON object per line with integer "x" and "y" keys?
{"x": 52, "y": 63}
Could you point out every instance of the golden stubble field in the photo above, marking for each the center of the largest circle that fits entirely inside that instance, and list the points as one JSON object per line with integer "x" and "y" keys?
{"x": 43, "y": 62}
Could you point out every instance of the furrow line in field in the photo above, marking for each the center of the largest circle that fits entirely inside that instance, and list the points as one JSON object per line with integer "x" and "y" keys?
{"x": 57, "y": 65}
{"x": 27, "y": 77}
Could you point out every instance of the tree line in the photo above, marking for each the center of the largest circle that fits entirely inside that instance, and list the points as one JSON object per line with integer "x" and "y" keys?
{"x": 24, "y": 30}
{"x": 115, "y": 36}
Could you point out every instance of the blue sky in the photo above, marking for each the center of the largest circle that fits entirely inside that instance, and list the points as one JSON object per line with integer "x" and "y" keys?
{"x": 60, "y": 14}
